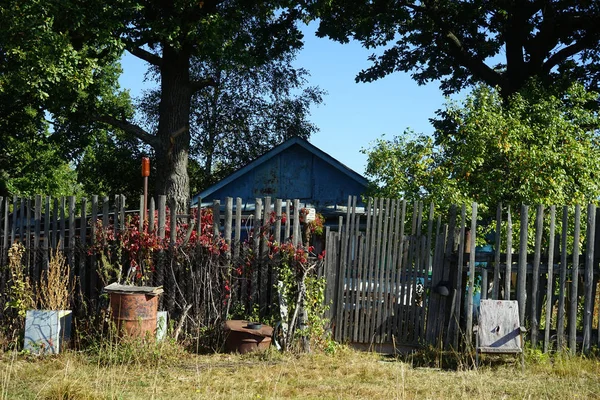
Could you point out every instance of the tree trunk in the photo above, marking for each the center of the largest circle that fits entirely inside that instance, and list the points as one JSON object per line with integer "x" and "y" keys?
{"x": 173, "y": 127}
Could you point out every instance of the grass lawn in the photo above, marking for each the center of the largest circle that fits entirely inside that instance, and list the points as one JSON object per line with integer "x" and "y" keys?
{"x": 173, "y": 374}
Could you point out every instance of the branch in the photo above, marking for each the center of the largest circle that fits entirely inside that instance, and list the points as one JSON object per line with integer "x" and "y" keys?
{"x": 567, "y": 52}
{"x": 201, "y": 84}
{"x": 130, "y": 128}
{"x": 146, "y": 56}
{"x": 477, "y": 67}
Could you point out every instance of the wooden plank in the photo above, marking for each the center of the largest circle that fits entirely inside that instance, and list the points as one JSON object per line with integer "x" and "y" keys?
{"x": 572, "y": 324}
{"x": 328, "y": 272}
{"x": 364, "y": 290}
{"x": 388, "y": 278}
{"x": 169, "y": 270}
{"x": 373, "y": 327}
{"x": 83, "y": 278}
{"x": 46, "y": 236}
{"x": 278, "y": 216}
{"x": 395, "y": 273}
{"x": 573, "y": 300}
{"x": 63, "y": 224}
{"x": 370, "y": 238}
{"x": 535, "y": 279}
{"x": 26, "y": 224}
{"x": 5, "y": 243}
{"x": 434, "y": 299}
{"x": 459, "y": 285}
{"x": 522, "y": 269}
{"x": 469, "y": 311}
{"x": 93, "y": 262}
{"x": 588, "y": 302}
{"x": 416, "y": 310}
{"x": 340, "y": 283}
{"x": 122, "y": 222}
{"x": 264, "y": 290}
{"x": 228, "y": 224}
{"x": 448, "y": 276}
{"x": 497, "y": 251}
{"x": 3, "y": 250}
{"x": 296, "y": 221}
{"x": 409, "y": 277}
{"x": 347, "y": 270}
{"x": 550, "y": 285}
{"x": 288, "y": 220}
{"x": 152, "y": 218}
{"x": 141, "y": 214}
{"x": 560, "y": 319}
{"x": 509, "y": 240}
{"x": 255, "y": 248}
{"x": 356, "y": 276}
{"x": 36, "y": 238}
{"x": 71, "y": 257}
{"x": 14, "y": 224}
{"x": 238, "y": 226}
{"x": 216, "y": 209}
{"x": 55, "y": 229}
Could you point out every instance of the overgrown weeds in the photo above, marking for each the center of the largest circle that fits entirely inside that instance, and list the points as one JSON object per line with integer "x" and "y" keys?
{"x": 55, "y": 291}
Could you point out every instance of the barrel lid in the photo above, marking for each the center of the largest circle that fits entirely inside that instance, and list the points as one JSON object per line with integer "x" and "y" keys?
{"x": 237, "y": 325}
{"x": 118, "y": 288}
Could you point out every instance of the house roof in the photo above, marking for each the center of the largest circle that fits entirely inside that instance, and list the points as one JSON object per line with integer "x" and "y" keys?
{"x": 295, "y": 141}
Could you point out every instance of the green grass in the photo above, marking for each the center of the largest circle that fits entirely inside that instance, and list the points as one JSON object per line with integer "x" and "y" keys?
{"x": 167, "y": 372}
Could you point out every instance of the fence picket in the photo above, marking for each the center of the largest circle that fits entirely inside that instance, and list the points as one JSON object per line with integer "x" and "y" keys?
{"x": 572, "y": 324}
{"x": 522, "y": 269}
{"x": 459, "y": 278}
{"x": 588, "y": 306}
{"x": 560, "y": 320}
{"x": 469, "y": 316}
{"x": 496, "y": 282}
{"x": 367, "y": 267}
{"x": 550, "y": 284}
{"x": 535, "y": 278}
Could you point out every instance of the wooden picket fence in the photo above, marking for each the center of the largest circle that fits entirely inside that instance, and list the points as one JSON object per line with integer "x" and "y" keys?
{"x": 43, "y": 224}
{"x": 396, "y": 272}
{"x": 409, "y": 279}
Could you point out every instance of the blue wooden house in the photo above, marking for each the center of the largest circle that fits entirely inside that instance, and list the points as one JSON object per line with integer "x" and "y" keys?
{"x": 293, "y": 170}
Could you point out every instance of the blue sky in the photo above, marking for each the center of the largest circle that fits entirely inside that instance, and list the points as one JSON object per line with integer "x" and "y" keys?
{"x": 353, "y": 114}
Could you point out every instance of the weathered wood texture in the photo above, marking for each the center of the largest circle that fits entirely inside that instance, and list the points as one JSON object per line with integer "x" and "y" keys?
{"x": 395, "y": 273}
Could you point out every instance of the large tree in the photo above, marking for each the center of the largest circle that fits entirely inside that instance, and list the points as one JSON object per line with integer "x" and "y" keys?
{"x": 248, "y": 111}
{"x": 537, "y": 149}
{"x": 500, "y": 43}
{"x": 80, "y": 39}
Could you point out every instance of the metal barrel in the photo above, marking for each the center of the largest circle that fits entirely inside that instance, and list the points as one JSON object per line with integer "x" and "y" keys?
{"x": 134, "y": 314}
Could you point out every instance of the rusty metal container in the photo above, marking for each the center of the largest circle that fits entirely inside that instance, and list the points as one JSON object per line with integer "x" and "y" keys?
{"x": 241, "y": 338}
{"x": 134, "y": 310}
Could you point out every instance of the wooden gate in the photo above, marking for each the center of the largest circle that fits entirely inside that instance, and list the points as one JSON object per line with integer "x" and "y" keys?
{"x": 380, "y": 267}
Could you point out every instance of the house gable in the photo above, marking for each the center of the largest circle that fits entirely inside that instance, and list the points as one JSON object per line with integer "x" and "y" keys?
{"x": 293, "y": 170}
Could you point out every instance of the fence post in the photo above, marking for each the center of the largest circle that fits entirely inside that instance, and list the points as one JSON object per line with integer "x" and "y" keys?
{"x": 574, "y": 283}
{"x": 469, "y": 329}
{"x": 522, "y": 272}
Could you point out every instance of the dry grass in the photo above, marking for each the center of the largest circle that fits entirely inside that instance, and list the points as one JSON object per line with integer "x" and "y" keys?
{"x": 54, "y": 290}
{"x": 347, "y": 374}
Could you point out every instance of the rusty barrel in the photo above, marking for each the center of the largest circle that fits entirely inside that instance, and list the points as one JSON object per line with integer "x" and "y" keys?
{"x": 134, "y": 314}
{"x": 242, "y": 337}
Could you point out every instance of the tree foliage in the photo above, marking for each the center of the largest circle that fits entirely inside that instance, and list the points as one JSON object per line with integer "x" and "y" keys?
{"x": 538, "y": 149}
{"x": 63, "y": 56}
{"x": 500, "y": 43}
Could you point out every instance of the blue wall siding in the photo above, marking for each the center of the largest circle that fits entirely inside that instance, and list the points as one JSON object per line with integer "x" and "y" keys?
{"x": 295, "y": 173}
